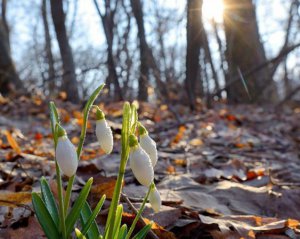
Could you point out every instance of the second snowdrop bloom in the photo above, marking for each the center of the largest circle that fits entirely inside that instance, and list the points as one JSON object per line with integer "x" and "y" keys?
{"x": 104, "y": 133}
{"x": 65, "y": 154}
{"x": 154, "y": 199}
{"x": 148, "y": 144}
{"x": 140, "y": 163}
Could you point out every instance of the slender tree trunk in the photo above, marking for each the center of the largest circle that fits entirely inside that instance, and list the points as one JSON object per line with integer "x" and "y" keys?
{"x": 144, "y": 66}
{"x": 194, "y": 40}
{"x": 245, "y": 51}
{"x": 208, "y": 59}
{"x": 108, "y": 24}
{"x": 48, "y": 50}
{"x": 69, "y": 82}
{"x": 9, "y": 79}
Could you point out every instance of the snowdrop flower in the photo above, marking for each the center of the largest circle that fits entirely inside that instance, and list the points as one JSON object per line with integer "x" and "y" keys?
{"x": 103, "y": 132}
{"x": 65, "y": 153}
{"x": 140, "y": 163}
{"x": 148, "y": 144}
{"x": 154, "y": 199}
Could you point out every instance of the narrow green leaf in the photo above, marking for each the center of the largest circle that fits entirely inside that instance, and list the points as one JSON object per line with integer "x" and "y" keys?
{"x": 75, "y": 211}
{"x": 79, "y": 234}
{"x": 118, "y": 219}
{"x": 91, "y": 219}
{"x": 134, "y": 118}
{"x": 44, "y": 217}
{"x": 143, "y": 233}
{"x": 54, "y": 118}
{"x": 92, "y": 98}
{"x": 85, "y": 214}
{"x": 123, "y": 232}
{"x": 49, "y": 201}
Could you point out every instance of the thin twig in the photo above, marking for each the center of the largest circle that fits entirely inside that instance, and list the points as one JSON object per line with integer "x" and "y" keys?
{"x": 141, "y": 220}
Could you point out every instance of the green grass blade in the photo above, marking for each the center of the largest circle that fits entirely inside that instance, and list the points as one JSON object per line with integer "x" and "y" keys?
{"x": 76, "y": 209}
{"x": 143, "y": 233}
{"x": 44, "y": 217}
{"x": 123, "y": 232}
{"x": 93, "y": 215}
{"x": 118, "y": 219}
{"x": 49, "y": 201}
{"x": 79, "y": 234}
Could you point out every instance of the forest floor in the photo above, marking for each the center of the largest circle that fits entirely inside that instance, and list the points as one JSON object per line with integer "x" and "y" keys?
{"x": 228, "y": 172}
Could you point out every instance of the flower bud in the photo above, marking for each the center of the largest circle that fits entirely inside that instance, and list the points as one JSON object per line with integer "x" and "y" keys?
{"x": 149, "y": 146}
{"x": 154, "y": 199}
{"x": 104, "y": 135}
{"x": 140, "y": 164}
{"x": 66, "y": 156}
{"x": 103, "y": 132}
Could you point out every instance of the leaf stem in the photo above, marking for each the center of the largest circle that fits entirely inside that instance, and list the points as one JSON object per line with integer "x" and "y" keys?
{"x": 61, "y": 202}
{"x": 86, "y": 111}
{"x": 124, "y": 157}
{"x": 139, "y": 213}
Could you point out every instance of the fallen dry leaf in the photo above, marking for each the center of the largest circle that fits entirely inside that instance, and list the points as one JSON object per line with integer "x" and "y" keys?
{"x": 12, "y": 142}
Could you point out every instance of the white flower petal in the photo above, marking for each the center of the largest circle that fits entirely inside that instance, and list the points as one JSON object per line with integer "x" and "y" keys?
{"x": 149, "y": 145}
{"x": 141, "y": 166}
{"x": 66, "y": 156}
{"x": 104, "y": 136}
{"x": 155, "y": 200}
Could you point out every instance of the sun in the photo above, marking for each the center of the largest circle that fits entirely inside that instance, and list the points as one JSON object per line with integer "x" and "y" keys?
{"x": 213, "y": 10}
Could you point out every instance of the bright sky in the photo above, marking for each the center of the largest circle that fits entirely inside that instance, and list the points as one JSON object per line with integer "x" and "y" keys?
{"x": 272, "y": 16}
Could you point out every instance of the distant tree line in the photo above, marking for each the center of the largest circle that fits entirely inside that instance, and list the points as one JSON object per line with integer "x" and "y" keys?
{"x": 242, "y": 70}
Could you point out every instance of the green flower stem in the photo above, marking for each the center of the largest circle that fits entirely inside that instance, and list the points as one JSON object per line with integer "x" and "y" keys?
{"x": 54, "y": 125}
{"x": 124, "y": 157}
{"x": 137, "y": 217}
{"x": 61, "y": 202}
{"x": 86, "y": 111}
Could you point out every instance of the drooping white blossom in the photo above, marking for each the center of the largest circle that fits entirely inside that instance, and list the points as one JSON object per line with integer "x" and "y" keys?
{"x": 141, "y": 165}
{"x": 149, "y": 145}
{"x": 154, "y": 199}
{"x": 104, "y": 136}
{"x": 66, "y": 156}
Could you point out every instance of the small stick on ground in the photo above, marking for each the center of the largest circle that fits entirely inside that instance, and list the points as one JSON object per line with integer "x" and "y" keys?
{"x": 141, "y": 220}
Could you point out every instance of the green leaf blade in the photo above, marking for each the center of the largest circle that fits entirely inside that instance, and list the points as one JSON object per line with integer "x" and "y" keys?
{"x": 143, "y": 232}
{"x": 76, "y": 209}
{"x": 44, "y": 217}
{"x": 118, "y": 219}
{"x": 49, "y": 201}
{"x": 91, "y": 220}
{"x": 123, "y": 232}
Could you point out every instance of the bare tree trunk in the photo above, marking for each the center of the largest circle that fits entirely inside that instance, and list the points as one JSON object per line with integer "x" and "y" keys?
{"x": 208, "y": 59}
{"x": 144, "y": 66}
{"x": 48, "y": 49}
{"x": 4, "y": 21}
{"x": 221, "y": 51}
{"x": 69, "y": 82}
{"x": 245, "y": 51}
{"x": 9, "y": 79}
{"x": 108, "y": 24}
{"x": 194, "y": 40}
